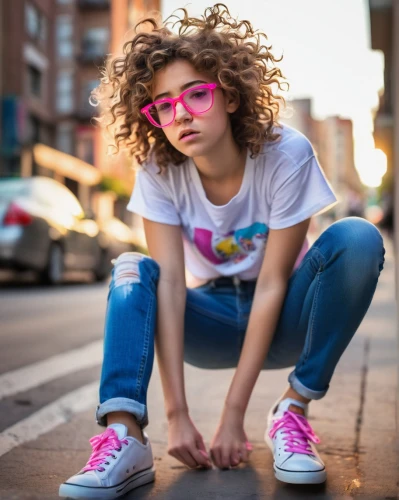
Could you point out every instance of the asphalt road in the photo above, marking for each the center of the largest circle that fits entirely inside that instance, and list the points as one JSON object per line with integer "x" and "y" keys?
{"x": 50, "y": 355}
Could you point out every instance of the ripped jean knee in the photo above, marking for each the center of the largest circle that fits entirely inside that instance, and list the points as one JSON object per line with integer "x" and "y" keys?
{"x": 126, "y": 268}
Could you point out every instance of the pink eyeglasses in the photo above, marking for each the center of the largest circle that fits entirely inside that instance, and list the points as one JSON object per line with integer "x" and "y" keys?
{"x": 196, "y": 100}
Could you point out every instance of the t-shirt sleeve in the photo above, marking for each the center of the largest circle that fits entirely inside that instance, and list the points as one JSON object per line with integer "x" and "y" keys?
{"x": 300, "y": 195}
{"x": 151, "y": 198}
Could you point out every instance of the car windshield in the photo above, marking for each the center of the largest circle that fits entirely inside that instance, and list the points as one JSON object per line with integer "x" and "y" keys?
{"x": 11, "y": 188}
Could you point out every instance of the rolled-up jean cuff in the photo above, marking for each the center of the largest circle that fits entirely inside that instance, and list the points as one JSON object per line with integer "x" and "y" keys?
{"x": 122, "y": 404}
{"x": 302, "y": 390}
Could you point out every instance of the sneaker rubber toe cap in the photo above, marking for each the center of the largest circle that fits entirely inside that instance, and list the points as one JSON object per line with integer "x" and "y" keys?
{"x": 304, "y": 463}
{"x": 89, "y": 479}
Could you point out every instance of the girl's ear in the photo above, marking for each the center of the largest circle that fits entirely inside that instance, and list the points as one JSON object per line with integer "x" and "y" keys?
{"x": 232, "y": 102}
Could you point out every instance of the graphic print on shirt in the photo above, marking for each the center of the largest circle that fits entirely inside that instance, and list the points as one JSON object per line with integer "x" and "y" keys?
{"x": 234, "y": 246}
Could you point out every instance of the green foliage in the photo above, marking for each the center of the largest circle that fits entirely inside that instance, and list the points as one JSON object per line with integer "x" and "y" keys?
{"x": 115, "y": 185}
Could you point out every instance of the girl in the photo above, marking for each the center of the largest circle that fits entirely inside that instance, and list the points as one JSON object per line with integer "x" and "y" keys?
{"x": 228, "y": 192}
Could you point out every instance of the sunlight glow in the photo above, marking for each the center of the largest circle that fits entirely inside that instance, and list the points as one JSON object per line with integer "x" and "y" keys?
{"x": 372, "y": 167}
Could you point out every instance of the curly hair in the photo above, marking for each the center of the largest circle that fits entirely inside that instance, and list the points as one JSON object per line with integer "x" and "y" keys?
{"x": 229, "y": 50}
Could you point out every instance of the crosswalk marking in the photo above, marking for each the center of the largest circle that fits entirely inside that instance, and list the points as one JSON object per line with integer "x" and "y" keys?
{"x": 49, "y": 369}
{"x": 46, "y": 419}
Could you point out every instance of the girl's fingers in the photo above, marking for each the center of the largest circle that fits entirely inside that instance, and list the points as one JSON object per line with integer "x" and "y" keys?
{"x": 202, "y": 458}
{"x": 205, "y": 457}
{"x": 194, "y": 458}
{"x": 235, "y": 458}
{"x": 200, "y": 444}
{"x": 247, "y": 450}
{"x": 191, "y": 456}
{"x": 225, "y": 459}
{"x": 216, "y": 458}
{"x": 186, "y": 458}
{"x": 244, "y": 454}
{"x": 200, "y": 454}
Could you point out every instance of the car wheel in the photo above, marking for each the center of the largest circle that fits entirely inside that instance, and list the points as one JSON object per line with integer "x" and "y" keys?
{"x": 54, "y": 271}
{"x": 103, "y": 268}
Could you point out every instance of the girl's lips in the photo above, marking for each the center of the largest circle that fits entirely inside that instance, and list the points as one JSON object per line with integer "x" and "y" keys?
{"x": 189, "y": 137}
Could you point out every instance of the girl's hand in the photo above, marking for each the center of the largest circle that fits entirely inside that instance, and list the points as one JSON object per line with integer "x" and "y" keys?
{"x": 230, "y": 445}
{"x": 185, "y": 443}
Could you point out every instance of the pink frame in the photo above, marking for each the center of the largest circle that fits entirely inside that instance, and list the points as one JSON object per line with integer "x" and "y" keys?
{"x": 174, "y": 100}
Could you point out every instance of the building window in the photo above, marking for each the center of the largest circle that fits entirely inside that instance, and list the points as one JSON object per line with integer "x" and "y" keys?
{"x": 34, "y": 81}
{"x": 95, "y": 42}
{"x": 65, "y": 136}
{"x": 64, "y": 101}
{"x": 35, "y": 23}
{"x": 33, "y": 129}
{"x": 64, "y": 36}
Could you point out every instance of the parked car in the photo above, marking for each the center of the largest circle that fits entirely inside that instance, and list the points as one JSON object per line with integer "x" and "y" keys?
{"x": 44, "y": 228}
{"x": 120, "y": 237}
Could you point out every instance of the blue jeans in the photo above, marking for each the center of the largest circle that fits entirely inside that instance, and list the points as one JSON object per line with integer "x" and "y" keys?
{"x": 328, "y": 296}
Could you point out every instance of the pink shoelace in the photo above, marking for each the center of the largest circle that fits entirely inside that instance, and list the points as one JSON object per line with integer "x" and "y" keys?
{"x": 298, "y": 432}
{"x": 103, "y": 445}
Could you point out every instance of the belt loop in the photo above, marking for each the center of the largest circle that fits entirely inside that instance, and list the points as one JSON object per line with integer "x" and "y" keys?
{"x": 236, "y": 281}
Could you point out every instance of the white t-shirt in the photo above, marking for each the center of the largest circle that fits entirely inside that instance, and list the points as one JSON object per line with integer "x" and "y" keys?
{"x": 281, "y": 187}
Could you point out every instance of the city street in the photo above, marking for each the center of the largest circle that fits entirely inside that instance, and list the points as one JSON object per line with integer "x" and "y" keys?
{"x": 50, "y": 356}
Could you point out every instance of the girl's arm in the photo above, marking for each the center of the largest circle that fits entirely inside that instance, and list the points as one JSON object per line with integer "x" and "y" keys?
{"x": 282, "y": 249}
{"x": 165, "y": 246}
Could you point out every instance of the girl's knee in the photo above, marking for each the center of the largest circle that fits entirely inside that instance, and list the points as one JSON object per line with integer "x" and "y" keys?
{"x": 357, "y": 233}
{"x": 360, "y": 241}
{"x": 130, "y": 266}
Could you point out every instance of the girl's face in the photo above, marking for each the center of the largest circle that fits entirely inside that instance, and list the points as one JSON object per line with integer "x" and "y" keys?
{"x": 210, "y": 127}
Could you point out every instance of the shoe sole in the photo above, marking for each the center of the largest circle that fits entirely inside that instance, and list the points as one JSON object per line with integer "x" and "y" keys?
{"x": 110, "y": 492}
{"x": 312, "y": 477}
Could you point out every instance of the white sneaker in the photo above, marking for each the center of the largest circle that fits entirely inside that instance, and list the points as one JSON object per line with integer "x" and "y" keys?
{"x": 291, "y": 438}
{"x": 119, "y": 463}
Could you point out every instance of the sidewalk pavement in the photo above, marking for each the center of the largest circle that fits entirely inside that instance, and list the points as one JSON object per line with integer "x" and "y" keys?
{"x": 356, "y": 422}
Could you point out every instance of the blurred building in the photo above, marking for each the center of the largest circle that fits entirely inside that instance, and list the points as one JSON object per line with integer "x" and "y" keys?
{"x": 384, "y": 25}
{"x": 299, "y": 116}
{"x": 332, "y": 140}
{"x": 51, "y": 51}
{"x": 117, "y": 169}
{"x": 26, "y": 78}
